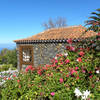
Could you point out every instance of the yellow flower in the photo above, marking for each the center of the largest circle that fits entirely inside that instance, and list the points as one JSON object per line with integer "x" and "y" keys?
{"x": 67, "y": 89}
{"x": 72, "y": 83}
{"x": 91, "y": 95}
{"x": 35, "y": 93}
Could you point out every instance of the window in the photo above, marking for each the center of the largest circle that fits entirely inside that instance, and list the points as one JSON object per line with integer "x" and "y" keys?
{"x": 25, "y": 55}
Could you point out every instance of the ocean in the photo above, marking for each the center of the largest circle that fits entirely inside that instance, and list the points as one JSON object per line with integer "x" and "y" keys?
{"x": 9, "y": 46}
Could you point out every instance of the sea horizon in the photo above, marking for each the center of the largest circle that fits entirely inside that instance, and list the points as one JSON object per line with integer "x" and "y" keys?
{"x": 9, "y": 46}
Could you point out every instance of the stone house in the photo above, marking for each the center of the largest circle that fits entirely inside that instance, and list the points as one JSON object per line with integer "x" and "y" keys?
{"x": 41, "y": 48}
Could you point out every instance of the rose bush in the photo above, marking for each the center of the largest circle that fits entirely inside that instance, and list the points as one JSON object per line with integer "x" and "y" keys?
{"x": 73, "y": 75}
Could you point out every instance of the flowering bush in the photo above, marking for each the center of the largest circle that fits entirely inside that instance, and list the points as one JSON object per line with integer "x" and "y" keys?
{"x": 73, "y": 75}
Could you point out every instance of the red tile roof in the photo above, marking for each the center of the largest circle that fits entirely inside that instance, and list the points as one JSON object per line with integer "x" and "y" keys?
{"x": 74, "y": 32}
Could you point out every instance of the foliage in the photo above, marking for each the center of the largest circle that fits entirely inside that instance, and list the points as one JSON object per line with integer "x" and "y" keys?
{"x": 5, "y": 67}
{"x": 74, "y": 75}
{"x": 55, "y": 23}
{"x": 8, "y": 57}
{"x": 94, "y": 21}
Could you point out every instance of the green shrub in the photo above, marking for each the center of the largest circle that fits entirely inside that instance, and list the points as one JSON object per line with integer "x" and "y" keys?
{"x": 74, "y": 75}
{"x": 8, "y": 57}
{"x": 5, "y": 67}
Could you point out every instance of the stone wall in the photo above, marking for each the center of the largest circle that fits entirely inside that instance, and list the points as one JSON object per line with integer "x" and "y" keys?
{"x": 43, "y": 52}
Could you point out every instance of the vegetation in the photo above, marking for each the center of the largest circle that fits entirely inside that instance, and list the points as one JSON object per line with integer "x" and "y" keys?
{"x": 55, "y": 23}
{"x": 5, "y": 67}
{"x": 94, "y": 22}
{"x": 74, "y": 75}
{"x": 8, "y": 58}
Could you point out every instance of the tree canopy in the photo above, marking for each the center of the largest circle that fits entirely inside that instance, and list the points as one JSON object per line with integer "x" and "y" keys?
{"x": 8, "y": 57}
{"x": 55, "y": 23}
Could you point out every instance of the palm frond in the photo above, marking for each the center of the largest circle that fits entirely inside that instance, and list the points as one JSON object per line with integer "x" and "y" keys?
{"x": 98, "y": 9}
{"x": 94, "y": 21}
{"x": 95, "y": 18}
{"x": 97, "y": 14}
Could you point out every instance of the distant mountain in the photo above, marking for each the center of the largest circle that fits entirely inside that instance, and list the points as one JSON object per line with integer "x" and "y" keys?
{"x": 7, "y": 45}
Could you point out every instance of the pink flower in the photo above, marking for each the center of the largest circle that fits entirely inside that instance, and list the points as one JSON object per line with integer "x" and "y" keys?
{"x": 41, "y": 93}
{"x": 69, "y": 41}
{"x": 76, "y": 68}
{"x": 61, "y": 63}
{"x": 44, "y": 68}
{"x": 77, "y": 77}
{"x": 5, "y": 78}
{"x": 61, "y": 80}
{"x": 67, "y": 75}
{"x": 19, "y": 86}
{"x": 9, "y": 78}
{"x": 98, "y": 34}
{"x": 72, "y": 48}
{"x": 68, "y": 47}
{"x": 81, "y": 53}
{"x": 73, "y": 71}
{"x": 67, "y": 61}
{"x": 83, "y": 71}
{"x": 79, "y": 59}
{"x": 91, "y": 76}
{"x": 18, "y": 81}
{"x": 81, "y": 48}
{"x": 58, "y": 66}
{"x": 52, "y": 93}
{"x": 14, "y": 75}
{"x": 29, "y": 68}
{"x": 39, "y": 72}
{"x": 56, "y": 61}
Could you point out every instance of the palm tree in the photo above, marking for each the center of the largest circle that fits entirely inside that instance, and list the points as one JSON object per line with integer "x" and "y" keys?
{"x": 94, "y": 22}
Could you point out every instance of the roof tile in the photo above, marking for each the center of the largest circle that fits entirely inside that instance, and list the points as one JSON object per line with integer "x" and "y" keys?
{"x": 73, "y": 32}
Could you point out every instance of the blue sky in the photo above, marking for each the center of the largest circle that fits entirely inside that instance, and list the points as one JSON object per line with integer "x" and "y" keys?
{"x": 23, "y": 18}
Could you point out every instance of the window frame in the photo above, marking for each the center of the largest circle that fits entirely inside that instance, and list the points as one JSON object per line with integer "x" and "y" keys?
{"x": 21, "y": 55}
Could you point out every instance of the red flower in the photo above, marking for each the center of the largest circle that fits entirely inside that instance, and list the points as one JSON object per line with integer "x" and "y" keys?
{"x": 61, "y": 80}
{"x": 69, "y": 41}
{"x": 19, "y": 86}
{"x": 87, "y": 48}
{"x": 68, "y": 47}
{"x": 72, "y": 48}
{"x": 29, "y": 68}
{"x": 91, "y": 76}
{"x": 41, "y": 93}
{"x": 79, "y": 59}
{"x": 67, "y": 75}
{"x": 81, "y": 53}
{"x": 67, "y": 61}
{"x": 61, "y": 63}
{"x": 52, "y": 93}
{"x": 77, "y": 77}
{"x": 18, "y": 81}
{"x": 98, "y": 34}
{"x": 56, "y": 61}
{"x": 73, "y": 71}
{"x": 14, "y": 75}
{"x": 83, "y": 71}
{"x": 39, "y": 72}
{"x": 4, "y": 78}
{"x": 81, "y": 49}
{"x": 9, "y": 78}
{"x": 44, "y": 68}
{"x": 76, "y": 68}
